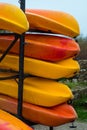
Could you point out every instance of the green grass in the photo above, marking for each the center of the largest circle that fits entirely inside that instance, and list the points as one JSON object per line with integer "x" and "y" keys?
{"x": 73, "y": 85}
{"x": 82, "y": 114}
{"x": 81, "y": 108}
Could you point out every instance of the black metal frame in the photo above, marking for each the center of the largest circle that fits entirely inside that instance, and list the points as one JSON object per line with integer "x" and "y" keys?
{"x": 21, "y": 67}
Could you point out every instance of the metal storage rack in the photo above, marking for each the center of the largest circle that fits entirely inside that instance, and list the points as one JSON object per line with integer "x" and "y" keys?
{"x": 20, "y": 75}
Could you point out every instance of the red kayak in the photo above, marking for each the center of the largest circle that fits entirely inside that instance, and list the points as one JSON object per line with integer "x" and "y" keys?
{"x": 52, "y": 116}
{"x": 44, "y": 47}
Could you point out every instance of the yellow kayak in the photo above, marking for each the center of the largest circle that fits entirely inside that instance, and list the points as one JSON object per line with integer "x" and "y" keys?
{"x": 12, "y": 18}
{"x": 53, "y": 21}
{"x": 9, "y": 122}
{"x": 39, "y": 91}
{"x": 62, "y": 69}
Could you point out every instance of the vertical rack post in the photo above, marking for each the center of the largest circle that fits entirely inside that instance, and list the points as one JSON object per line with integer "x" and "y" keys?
{"x": 22, "y": 5}
{"x": 21, "y": 68}
{"x": 51, "y": 128}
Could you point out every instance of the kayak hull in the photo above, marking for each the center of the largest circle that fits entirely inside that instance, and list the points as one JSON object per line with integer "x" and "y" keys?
{"x": 53, "y": 116}
{"x": 43, "y": 47}
{"x": 53, "y": 21}
{"x": 38, "y": 91}
{"x": 63, "y": 69}
{"x": 11, "y": 21}
{"x": 9, "y": 122}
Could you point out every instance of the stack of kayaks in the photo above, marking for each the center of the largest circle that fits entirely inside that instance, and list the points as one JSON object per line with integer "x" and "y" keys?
{"x": 48, "y": 58}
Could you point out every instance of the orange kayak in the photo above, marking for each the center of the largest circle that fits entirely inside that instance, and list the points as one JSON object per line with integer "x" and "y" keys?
{"x": 10, "y": 122}
{"x": 13, "y": 18}
{"x": 53, "y": 21}
{"x": 52, "y": 116}
{"x": 44, "y": 47}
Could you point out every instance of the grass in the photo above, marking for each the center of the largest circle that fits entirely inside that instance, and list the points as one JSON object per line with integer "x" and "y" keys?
{"x": 81, "y": 108}
{"x": 73, "y": 84}
{"x": 79, "y": 104}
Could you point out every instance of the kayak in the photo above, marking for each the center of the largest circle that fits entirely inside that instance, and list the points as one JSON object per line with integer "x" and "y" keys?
{"x": 13, "y": 18}
{"x": 52, "y": 116}
{"x": 9, "y": 122}
{"x": 39, "y": 91}
{"x": 43, "y": 46}
{"x": 62, "y": 69}
{"x": 53, "y": 21}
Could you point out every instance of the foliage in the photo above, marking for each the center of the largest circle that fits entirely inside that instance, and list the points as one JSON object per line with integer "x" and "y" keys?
{"x": 73, "y": 83}
{"x": 81, "y": 108}
{"x": 82, "y": 41}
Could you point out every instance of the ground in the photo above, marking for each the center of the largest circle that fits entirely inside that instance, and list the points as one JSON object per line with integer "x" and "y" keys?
{"x": 80, "y": 126}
